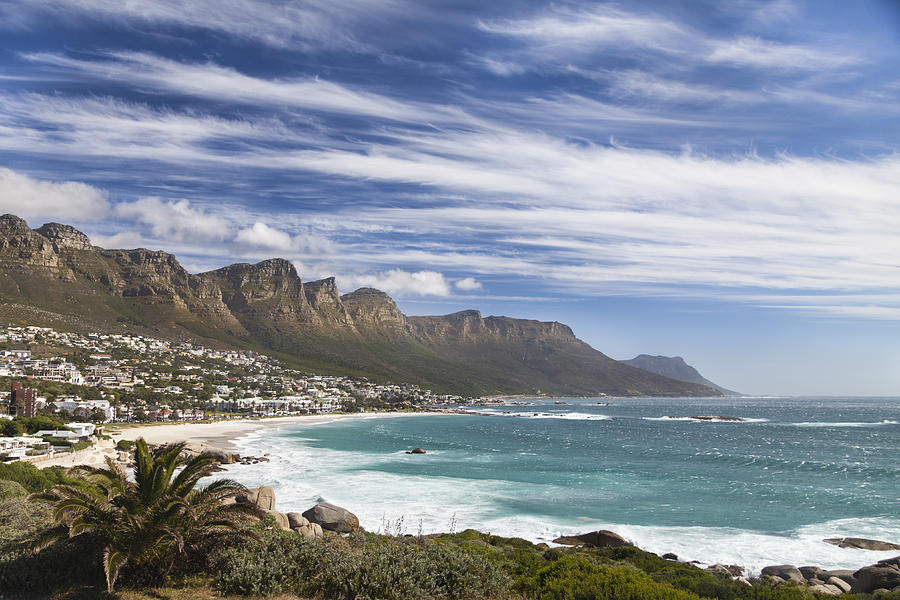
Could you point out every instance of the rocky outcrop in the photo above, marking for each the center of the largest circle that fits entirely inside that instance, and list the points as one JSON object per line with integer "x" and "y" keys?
{"x": 416, "y": 451}
{"x": 862, "y": 544}
{"x": 785, "y": 573}
{"x": 876, "y": 577}
{"x": 65, "y": 237}
{"x": 884, "y": 575}
{"x": 594, "y": 539}
{"x": 333, "y": 518}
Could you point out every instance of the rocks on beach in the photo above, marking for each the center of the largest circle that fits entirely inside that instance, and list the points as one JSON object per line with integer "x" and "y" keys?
{"x": 311, "y": 525}
{"x": 884, "y": 575}
{"x": 594, "y": 539}
{"x": 333, "y": 518}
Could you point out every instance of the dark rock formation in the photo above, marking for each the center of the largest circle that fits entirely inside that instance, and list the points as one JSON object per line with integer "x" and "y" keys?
{"x": 876, "y": 577}
{"x": 333, "y": 518}
{"x": 594, "y": 539}
{"x": 785, "y": 572}
{"x": 862, "y": 544}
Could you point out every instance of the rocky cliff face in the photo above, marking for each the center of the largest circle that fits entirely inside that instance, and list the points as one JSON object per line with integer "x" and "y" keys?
{"x": 56, "y": 273}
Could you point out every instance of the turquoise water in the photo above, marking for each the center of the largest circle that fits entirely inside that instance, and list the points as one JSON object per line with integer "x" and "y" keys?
{"x": 756, "y": 492}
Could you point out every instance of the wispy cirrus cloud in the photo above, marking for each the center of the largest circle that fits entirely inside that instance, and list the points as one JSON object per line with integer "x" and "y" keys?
{"x": 214, "y": 82}
{"x": 568, "y": 36}
{"x": 306, "y": 25}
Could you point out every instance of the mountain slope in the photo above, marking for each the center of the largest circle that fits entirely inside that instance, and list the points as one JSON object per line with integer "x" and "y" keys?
{"x": 674, "y": 368}
{"x": 54, "y": 276}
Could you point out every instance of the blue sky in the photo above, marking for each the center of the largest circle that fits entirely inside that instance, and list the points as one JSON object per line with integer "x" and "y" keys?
{"x": 716, "y": 180}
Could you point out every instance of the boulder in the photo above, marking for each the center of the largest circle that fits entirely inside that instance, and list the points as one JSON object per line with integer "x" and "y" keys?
{"x": 862, "y": 544}
{"x": 281, "y": 519}
{"x": 890, "y": 562}
{"x": 310, "y": 531}
{"x": 262, "y": 498}
{"x": 670, "y": 556}
{"x": 594, "y": 539}
{"x": 296, "y": 520}
{"x": 825, "y": 589}
{"x": 844, "y": 574}
{"x": 785, "y": 572}
{"x": 811, "y": 572}
{"x": 719, "y": 570}
{"x": 869, "y": 579}
{"x": 416, "y": 451}
{"x": 839, "y": 583}
{"x": 333, "y": 518}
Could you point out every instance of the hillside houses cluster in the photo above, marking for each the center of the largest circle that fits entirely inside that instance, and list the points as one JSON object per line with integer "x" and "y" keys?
{"x": 123, "y": 377}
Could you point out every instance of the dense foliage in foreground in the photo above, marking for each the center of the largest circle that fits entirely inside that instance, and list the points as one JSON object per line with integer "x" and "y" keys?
{"x": 469, "y": 564}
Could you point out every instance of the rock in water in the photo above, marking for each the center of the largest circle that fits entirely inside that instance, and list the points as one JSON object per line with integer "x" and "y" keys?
{"x": 332, "y": 518}
{"x": 594, "y": 539}
{"x": 785, "y": 572}
{"x": 862, "y": 544}
{"x": 416, "y": 451}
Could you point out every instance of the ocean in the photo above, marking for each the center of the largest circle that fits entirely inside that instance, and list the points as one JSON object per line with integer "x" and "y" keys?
{"x": 764, "y": 490}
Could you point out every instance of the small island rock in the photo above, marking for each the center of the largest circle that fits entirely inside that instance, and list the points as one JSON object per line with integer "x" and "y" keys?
{"x": 416, "y": 451}
{"x": 862, "y": 544}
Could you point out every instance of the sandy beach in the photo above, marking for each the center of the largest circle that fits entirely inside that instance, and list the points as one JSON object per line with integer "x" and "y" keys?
{"x": 218, "y": 434}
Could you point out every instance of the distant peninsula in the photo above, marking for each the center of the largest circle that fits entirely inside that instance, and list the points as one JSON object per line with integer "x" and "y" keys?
{"x": 674, "y": 367}
{"x": 55, "y": 276}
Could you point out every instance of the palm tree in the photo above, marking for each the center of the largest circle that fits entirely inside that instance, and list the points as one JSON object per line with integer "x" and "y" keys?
{"x": 152, "y": 520}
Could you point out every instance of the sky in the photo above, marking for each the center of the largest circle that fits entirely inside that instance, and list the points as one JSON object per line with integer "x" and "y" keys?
{"x": 718, "y": 180}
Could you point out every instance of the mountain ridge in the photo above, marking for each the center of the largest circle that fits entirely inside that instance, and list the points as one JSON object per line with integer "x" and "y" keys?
{"x": 675, "y": 367}
{"x": 54, "y": 274}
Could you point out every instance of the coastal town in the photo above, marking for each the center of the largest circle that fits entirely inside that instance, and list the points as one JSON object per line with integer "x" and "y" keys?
{"x": 57, "y": 388}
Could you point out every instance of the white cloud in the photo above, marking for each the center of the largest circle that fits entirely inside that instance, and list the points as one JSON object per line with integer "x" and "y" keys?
{"x": 402, "y": 283}
{"x": 221, "y": 83}
{"x": 175, "y": 219}
{"x": 468, "y": 284}
{"x": 262, "y": 236}
{"x": 759, "y": 53}
{"x": 306, "y": 24}
{"x": 567, "y": 31}
{"x": 124, "y": 239}
{"x": 27, "y": 198}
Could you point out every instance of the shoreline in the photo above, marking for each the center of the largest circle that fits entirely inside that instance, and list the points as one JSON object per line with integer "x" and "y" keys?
{"x": 222, "y": 434}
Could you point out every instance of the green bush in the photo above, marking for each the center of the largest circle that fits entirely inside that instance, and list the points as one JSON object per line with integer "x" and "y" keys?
{"x": 364, "y": 567}
{"x": 125, "y": 445}
{"x": 578, "y": 578}
{"x": 32, "y": 478}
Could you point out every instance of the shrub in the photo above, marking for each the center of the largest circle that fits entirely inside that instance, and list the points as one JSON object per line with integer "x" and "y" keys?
{"x": 125, "y": 445}
{"x": 32, "y": 478}
{"x": 364, "y": 567}
{"x": 577, "y": 578}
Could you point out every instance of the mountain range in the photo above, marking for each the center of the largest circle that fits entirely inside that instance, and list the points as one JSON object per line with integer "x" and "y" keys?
{"x": 55, "y": 276}
{"x": 674, "y": 367}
